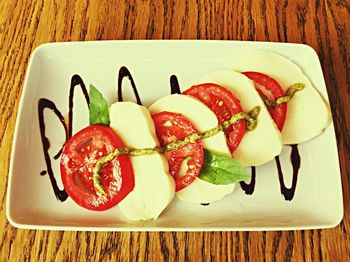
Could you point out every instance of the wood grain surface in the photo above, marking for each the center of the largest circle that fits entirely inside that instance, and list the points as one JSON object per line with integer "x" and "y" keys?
{"x": 322, "y": 24}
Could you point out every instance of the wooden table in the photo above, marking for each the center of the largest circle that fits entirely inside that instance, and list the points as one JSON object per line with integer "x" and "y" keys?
{"x": 322, "y": 24}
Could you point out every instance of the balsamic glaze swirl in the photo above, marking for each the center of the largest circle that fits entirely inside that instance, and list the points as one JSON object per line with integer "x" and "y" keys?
{"x": 249, "y": 188}
{"x": 295, "y": 160}
{"x": 288, "y": 193}
{"x": 42, "y": 104}
{"x": 124, "y": 72}
{"x": 76, "y": 80}
{"x": 46, "y": 103}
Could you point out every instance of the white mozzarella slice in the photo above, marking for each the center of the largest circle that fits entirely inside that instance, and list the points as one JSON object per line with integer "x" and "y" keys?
{"x": 264, "y": 142}
{"x": 203, "y": 192}
{"x": 154, "y": 186}
{"x": 202, "y": 118}
{"x": 307, "y": 114}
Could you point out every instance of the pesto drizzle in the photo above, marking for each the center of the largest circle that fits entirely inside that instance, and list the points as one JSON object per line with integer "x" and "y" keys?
{"x": 283, "y": 99}
{"x": 250, "y": 117}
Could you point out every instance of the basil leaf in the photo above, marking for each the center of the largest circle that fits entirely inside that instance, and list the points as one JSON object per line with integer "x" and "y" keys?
{"x": 98, "y": 108}
{"x": 221, "y": 170}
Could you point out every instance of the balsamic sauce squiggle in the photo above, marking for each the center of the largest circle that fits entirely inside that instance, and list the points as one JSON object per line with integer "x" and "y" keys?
{"x": 295, "y": 160}
{"x": 42, "y": 105}
{"x": 124, "y": 72}
{"x": 76, "y": 80}
{"x": 249, "y": 188}
{"x": 288, "y": 193}
{"x": 174, "y": 85}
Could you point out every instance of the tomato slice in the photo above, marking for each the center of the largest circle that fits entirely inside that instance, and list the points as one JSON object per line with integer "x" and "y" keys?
{"x": 268, "y": 86}
{"x": 78, "y": 159}
{"x": 224, "y": 104}
{"x": 169, "y": 128}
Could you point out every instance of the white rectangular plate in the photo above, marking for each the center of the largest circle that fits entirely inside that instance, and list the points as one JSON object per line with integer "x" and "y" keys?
{"x": 31, "y": 202}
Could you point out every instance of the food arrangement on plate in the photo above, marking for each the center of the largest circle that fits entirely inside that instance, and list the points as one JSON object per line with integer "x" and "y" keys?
{"x": 193, "y": 144}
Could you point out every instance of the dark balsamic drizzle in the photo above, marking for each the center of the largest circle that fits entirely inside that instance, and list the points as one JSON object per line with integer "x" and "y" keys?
{"x": 249, "y": 188}
{"x": 124, "y": 72}
{"x": 174, "y": 85}
{"x": 58, "y": 154}
{"x": 75, "y": 81}
{"x": 295, "y": 160}
{"x": 45, "y": 103}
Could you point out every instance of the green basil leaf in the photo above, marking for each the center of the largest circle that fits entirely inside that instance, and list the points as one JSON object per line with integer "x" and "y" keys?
{"x": 221, "y": 170}
{"x": 98, "y": 108}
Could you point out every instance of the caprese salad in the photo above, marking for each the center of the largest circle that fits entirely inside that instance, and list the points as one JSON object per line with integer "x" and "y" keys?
{"x": 195, "y": 144}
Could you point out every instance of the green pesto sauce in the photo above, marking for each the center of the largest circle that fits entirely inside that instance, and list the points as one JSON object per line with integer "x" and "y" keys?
{"x": 284, "y": 99}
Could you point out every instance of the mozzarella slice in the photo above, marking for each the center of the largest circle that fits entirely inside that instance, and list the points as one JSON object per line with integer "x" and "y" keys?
{"x": 203, "y": 192}
{"x": 264, "y": 142}
{"x": 307, "y": 114}
{"x": 154, "y": 186}
{"x": 199, "y": 191}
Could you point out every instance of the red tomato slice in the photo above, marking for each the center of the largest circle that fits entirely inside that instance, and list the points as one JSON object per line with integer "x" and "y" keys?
{"x": 78, "y": 159}
{"x": 271, "y": 86}
{"x": 224, "y": 104}
{"x": 169, "y": 128}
